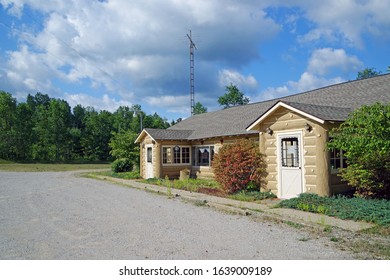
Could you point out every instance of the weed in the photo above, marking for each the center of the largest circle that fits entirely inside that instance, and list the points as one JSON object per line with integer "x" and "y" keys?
{"x": 200, "y": 203}
{"x": 303, "y": 239}
{"x": 293, "y": 224}
{"x": 328, "y": 229}
{"x": 334, "y": 239}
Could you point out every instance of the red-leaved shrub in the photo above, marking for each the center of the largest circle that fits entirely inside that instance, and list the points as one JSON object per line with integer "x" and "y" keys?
{"x": 236, "y": 165}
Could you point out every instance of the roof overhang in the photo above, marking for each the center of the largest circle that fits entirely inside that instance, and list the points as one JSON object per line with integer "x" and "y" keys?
{"x": 281, "y": 104}
{"x": 141, "y": 135}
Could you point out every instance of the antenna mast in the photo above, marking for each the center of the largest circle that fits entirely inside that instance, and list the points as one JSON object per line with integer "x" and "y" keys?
{"x": 192, "y": 68}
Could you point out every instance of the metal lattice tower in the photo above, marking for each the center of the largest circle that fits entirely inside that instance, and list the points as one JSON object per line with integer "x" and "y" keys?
{"x": 192, "y": 70}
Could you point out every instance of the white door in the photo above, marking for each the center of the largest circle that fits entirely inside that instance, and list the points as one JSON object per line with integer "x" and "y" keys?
{"x": 290, "y": 165}
{"x": 149, "y": 161}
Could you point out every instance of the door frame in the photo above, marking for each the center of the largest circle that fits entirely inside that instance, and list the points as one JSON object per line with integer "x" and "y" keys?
{"x": 149, "y": 166}
{"x": 279, "y": 137}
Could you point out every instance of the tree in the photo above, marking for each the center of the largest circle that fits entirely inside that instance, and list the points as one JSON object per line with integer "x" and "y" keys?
{"x": 232, "y": 97}
{"x": 364, "y": 140}
{"x": 123, "y": 146}
{"x": 367, "y": 73}
{"x": 237, "y": 165}
{"x": 7, "y": 122}
{"x": 98, "y": 132}
{"x": 199, "y": 108}
{"x": 24, "y": 132}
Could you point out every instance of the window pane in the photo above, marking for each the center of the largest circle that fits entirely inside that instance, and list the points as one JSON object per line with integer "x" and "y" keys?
{"x": 167, "y": 155}
{"x": 290, "y": 152}
{"x": 176, "y": 154}
{"x": 149, "y": 154}
{"x": 202, "y": 156}
{"x": 185, "y": 155}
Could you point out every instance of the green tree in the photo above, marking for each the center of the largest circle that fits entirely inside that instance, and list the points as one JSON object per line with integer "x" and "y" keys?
{"x": 232, "y": 97}
{"x": 364, "y": 138}
{"x": 52, "y": 131}
{"x": 24, "y": 132}
{"x": 7, "y": 123}
{"x": 98, "y": 129}
{"x": 59, "y": 121}
{"x": 199, "y": 108}
{"x": 122, "y": 146}
{"x": 367, "y": 73}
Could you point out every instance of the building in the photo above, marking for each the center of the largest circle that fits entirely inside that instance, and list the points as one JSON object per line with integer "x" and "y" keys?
{"x": 292, "y": 132}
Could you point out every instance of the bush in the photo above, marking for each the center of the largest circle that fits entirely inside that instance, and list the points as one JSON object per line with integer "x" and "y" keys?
{"x": 122, "y": 165}
{"x": 364, "y": 138}
{"x": 238, "y": 165}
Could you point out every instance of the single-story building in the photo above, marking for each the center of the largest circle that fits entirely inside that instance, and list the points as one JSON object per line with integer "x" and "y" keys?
{"x": 292, "y": 132}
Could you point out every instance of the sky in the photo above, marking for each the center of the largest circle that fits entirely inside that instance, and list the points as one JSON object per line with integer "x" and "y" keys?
{"x": 111, "y": 53}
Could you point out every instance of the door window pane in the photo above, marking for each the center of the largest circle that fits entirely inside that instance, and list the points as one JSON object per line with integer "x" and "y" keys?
{"x": 149, "y": 154}
{"x": 290, "y": 152}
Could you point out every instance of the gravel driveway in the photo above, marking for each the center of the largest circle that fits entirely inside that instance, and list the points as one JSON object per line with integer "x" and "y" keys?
{"x": 62, "y": 216}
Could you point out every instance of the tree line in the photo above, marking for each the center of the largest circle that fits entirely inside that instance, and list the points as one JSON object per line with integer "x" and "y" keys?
{"x": 47, "y": 129}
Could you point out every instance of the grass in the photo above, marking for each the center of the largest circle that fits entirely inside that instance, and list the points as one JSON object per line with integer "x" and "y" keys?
{"x": 50, "y": 167}
{"x": 357, "y": 209}
{"x": 251, "y": 196}
{"x": 194, "y": 185}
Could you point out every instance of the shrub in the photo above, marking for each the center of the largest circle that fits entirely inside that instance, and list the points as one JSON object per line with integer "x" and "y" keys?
{"x": 238, "y": 165}
{"x": 359, "y": 209}
{"x": 122, "y": 165}
{"x": 364, "y": 138}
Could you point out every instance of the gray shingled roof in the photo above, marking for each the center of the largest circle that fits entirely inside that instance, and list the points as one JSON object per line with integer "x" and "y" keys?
{"x": 326, "y": 113}
{"x": 332, "y": 103}
{"x": 165, "y": 134}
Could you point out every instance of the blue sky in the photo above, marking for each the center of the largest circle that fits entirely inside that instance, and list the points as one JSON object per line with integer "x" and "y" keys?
{"x": 115, "y": 53}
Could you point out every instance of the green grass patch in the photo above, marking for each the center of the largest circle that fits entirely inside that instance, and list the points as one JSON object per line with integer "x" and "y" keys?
{"x": 125, "y": 175}
{"x": 194, "y": 185}
{"x": 358, "y": 209}
{"x": 50, "y": 167}
{"x": 251, "y": 196}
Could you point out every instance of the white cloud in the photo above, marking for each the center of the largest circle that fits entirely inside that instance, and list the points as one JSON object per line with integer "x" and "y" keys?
{"x": 323, "y": 68}
{"x": 105, "y": 103}
{"x": 307, "y": 81}
{"x": 322, "y": 61}
{"x": 138, "y": 43}
{"x": 246, "y": 83}
{"x": 173, "y": 104}
{"x": 346, "y": 21}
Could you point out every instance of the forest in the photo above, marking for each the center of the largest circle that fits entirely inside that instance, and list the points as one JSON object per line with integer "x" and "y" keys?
{"x": 45, "y": 129}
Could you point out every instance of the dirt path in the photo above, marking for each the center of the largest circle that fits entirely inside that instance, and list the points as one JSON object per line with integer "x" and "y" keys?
{"x": 62, "y": 216}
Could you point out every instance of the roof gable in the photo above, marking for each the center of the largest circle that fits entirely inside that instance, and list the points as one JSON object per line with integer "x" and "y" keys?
{"x": 317, "y": 113}
{"x": 164, "y": 134}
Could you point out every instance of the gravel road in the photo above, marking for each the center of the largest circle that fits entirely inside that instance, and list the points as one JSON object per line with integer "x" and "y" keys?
{"x": 63, "y": 216}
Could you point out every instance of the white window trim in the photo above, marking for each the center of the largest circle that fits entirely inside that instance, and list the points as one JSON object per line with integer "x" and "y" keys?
{"x": 181, "y": 154}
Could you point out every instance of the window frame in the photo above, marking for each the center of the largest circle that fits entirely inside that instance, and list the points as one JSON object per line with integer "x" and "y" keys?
{"x": 333, "y": 156}
{"x": 175, "y": 155}
{"x": 195, "y": 150}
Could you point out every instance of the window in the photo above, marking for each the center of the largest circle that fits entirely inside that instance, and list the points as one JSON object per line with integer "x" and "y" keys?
{"x": 149, "y": 154}
{"x": 176, "y": 155}
{"x": 167, "y": 155}
{"x": 337, "y": 160}
{"x": 203, "y": 156}
{"x": 185, "y": 155}
{"x": 290, "y": 152}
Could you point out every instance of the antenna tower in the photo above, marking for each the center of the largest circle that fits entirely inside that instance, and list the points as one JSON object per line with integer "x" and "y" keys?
{"x": 192, "y": 68}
